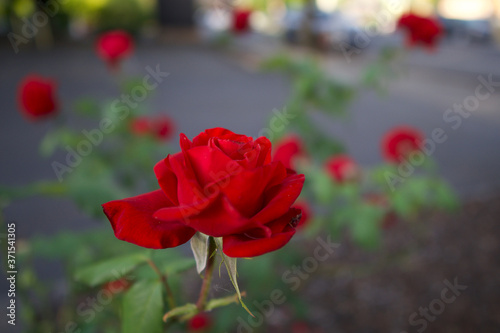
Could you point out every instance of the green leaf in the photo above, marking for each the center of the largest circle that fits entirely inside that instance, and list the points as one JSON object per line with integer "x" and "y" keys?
{"x": 199, "y": 246}
{"x": 109, "y": 270}
{"x": 230, "y": 264}
{"x": 143, "y": 308}
{"x": 49, "y": 143}
{"x": 87, "y": 107}
{"x": 445, "y": 197}
{"x": 322, "y": 185}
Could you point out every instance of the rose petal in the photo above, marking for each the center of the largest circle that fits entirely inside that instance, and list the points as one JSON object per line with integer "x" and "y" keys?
{"x": 167, "y": 180}
{"x": 218, "y": 132}
{"x": 211, "y": 165}
{"x": 132, "y": 221}
{"x": 216, "y": 217}
{"x": 246, "y": 190}
{"x": 243, "y": 246}
{"x": 279, "y": 198}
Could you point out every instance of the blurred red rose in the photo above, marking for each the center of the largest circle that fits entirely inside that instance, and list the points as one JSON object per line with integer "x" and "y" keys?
{"x": 241, "y": 20}
{"x": 305, "y": 218}
{"x": 420, "y": 30}
{"x": 117, "y": 286}
{"x": 200, "y": 322}
{"x": 161, "y": 127}
{"x": 221, "y": 184}
{"x": 140, "y": 126}
{"x": 287, "y": 150}
{"x": 399, "y": 142}
{"x": 113, "y": 46}
{"x": 37, "y": 97}
{"x": 342, "y": 168}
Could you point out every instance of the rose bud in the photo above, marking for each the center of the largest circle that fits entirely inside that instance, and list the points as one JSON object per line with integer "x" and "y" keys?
{"x": 288, "y": 150}
{"x": 117, "y": 286}
{"x": 37, "y": 97}
{"x": 140, "y": 126}
{"x": 342, "y": 168}
{"x": 161, "y": 127}
{"x": 221, "y": 184}
{"x": 114, "y": 46}
{"x": 399, "y": 142}
{"x": 200, "y": 322}
{"x": 420, "y": 30}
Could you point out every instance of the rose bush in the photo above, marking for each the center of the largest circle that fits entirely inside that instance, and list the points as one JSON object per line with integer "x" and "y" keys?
{"x": 221, "y": 184}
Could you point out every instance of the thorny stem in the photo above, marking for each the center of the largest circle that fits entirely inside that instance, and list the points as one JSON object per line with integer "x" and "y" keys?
{"x": 163, "y": 278}
{"x": 207, "y": 279}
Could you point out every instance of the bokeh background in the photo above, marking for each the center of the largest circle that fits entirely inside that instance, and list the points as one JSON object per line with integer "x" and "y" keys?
{"x": 215, "y": 80}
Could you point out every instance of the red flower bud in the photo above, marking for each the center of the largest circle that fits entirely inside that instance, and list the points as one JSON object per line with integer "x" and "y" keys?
{"x": 200, "y": 322}
{"x": 399, "y": 142}
{"x": 420, "y": 30}
{"x": 342, "y": 168}
{"x": 241, "y": 20}
{"x": 161, "y": 127}
{"x": 113, "y": 46}
{"x": 37, "y": 97}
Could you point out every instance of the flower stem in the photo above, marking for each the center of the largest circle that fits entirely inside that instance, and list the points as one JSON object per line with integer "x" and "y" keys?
{"x": 163, "y": 278}
{"x": 207, "y": 279}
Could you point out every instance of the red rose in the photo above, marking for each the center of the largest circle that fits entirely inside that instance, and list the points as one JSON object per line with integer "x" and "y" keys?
{"x": 420, "y": 30}
{"x": 399, "y": 142}
{"x": 305, "y": 209}
{"x": 200, "y": 322}
{"x": 288, "y": 150}
{"x": 241, "y": 20}
{"x": 342, "y": 168}
{"x": 36, "y": 97}
{"x": 161, "y": 127}
{"x": 221, "y": 184}
{"x": 113, "y": 46}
